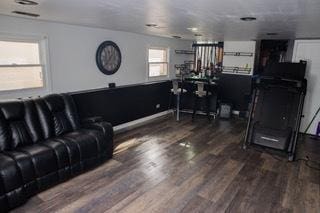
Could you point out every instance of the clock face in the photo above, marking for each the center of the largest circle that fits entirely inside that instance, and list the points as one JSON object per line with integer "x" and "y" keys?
{"x": 108, "y": 57}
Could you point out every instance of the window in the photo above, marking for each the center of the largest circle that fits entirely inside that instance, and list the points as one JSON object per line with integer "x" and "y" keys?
{"x": 20, "y": 66}
{"x": 158, "y": 62}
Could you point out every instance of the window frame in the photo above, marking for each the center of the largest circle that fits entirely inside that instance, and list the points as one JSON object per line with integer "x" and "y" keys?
{"x": 42, "y": 41}
{"x": 160, "y": 77}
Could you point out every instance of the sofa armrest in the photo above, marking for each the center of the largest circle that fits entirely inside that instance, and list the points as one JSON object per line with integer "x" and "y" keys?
{"x": 103, "y": 126}
{"x": 92, "y": 120}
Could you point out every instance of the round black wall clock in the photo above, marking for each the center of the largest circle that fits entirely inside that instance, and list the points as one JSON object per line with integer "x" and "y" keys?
{"x": 108, "y": 57}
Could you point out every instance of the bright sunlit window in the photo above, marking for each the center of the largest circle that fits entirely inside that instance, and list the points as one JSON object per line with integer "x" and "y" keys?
{"x": 20, "y": 65}
{"x": 158, "y": 62}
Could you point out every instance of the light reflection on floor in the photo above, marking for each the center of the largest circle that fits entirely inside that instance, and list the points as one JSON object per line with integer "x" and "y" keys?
{"x": 155, "y": 156}
{"x": 185, "y": 144}
{"x": 125, "y": 145}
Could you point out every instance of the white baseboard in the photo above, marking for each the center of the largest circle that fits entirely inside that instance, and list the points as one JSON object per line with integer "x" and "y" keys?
{"x": 138, "y": 122}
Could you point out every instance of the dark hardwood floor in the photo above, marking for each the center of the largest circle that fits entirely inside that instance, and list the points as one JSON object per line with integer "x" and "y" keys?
{"x": 166, "y": 166}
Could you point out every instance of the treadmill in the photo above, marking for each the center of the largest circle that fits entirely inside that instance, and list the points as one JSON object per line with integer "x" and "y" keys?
{"x": 276, "y": 108}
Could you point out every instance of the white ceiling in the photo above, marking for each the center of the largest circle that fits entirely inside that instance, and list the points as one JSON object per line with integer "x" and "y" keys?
{"x": 215, "y": 19}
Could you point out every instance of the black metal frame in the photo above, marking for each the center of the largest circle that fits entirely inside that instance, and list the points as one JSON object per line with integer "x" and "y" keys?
{"x": 293, "y": 140}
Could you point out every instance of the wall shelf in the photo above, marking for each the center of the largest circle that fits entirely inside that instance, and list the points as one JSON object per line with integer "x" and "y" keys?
{"x": 238, "y": 54}
{"x": 188, "y": 62}
{"x": 187, "y": 52}
{"x": 180, "y": 66}
{"x": 242, "y": 70}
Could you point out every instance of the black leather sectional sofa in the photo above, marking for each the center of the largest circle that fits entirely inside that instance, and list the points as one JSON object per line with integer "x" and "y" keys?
{"x": 43, "y": 142}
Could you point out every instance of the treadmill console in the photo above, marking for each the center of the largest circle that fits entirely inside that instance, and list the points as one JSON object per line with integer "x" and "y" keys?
{"x": 286, "y": 70}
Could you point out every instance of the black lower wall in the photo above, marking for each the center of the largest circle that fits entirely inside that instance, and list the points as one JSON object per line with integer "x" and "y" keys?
{"x": 127, "y": 103}
{"x": 124, "y": 104}
{"x": 235, "y": 89}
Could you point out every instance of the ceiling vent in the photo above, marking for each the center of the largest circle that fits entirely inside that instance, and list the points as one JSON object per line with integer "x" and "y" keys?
{"x": 177, "y": 37}
{"x": 151, "y": 25}
{"x": 248, "y": 18}
{"x": 26, "y": 14}
{"x": 26, "y": 2}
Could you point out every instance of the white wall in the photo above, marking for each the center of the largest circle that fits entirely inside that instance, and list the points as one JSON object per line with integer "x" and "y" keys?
{"x": 290, "y": 48}
{"x": 72, "y": 52}
{"x": 309, "y": 50}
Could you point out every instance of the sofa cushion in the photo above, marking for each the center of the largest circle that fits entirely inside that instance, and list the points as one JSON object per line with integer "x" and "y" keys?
{"x": 11, "y": 182}
{"x": 55, "y": 104}
{"x": 45, "y": 118}
{"x": 53, "y": 119}
{"x": 58, "y": 113}
{"x": 19, "y": 125}
{"x": 4, "y": 133}
{"x": 62, "y": 156}
{"x": 73, "y": 154}
{"x": 24, "y": 162}
{"x": 45, "y": 163}
{"x": 71, "y": 111}
{"x": 15, "y": 131}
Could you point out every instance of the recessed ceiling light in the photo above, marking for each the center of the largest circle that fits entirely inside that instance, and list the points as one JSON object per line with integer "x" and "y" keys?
{"x": 175, "y": 36}
{"x": 26, "y": 2}
{"x": 197, "y": 35}
{"x": 26, "y": 14}
{"x": 193, "y": 29}
{"x": 272, "y": 34}
{"x": 151, "y": 25}
{"x": 248, "y": 18}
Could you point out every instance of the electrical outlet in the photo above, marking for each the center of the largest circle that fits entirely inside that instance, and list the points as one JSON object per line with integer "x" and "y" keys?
{"x": 158, "y": 106}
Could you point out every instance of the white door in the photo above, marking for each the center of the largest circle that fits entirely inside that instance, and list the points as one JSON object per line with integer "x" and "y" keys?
{"x": 309, "y": 50}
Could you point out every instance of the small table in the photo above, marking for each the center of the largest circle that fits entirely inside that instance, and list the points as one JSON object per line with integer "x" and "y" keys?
{"x": 210, "y": 81}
